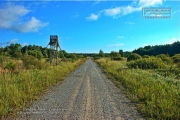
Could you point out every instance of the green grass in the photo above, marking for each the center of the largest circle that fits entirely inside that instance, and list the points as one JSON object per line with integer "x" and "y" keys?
{"x": 156, "y": 96}
{"x": 19, "y": 89}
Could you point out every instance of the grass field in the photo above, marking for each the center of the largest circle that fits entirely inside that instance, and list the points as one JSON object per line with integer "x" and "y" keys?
{"x": 19, "y": 89}
{"x": 157, "y": 97}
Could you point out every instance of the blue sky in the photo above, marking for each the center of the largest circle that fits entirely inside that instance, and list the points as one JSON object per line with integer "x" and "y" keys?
{"x": 88, "y": 26}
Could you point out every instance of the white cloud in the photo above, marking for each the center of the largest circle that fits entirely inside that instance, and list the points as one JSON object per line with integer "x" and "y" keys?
{"x": 12, "y": 41}
{"x": 112, "y": 12}
{"x": 24, "y": 44}
{"x": 97, "y": 1}
{"x": 119, "y": 11}
{"x": 92, "y": 17}
{"x": 32, "y": 25}
{"x": 147, "y": 3}
{"x": 173, "y": 40}
{"x": 135, "y": 2}
{"x": 9, "y": 14}
{"x": 129, "y": 9}
{"x": 120, "y": 37}
{"x": 116, "y": 45}
{"x": 11, "y": 19}
{"x": 9, "y": 42}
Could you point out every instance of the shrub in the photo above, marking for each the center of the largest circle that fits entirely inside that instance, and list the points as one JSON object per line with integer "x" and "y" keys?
{"x": 10, "y": 66}
{"x": 17, "y": 55}
{"x": 4, "y": 60}
{"x": 117, "y": 58}
{"x": 178, "y": 65}
{"x": 147, "y": 63}
{"x": 39, "y": 55}
{"x": 176, "y": 58}
{"x": 146, "y": 56}
{"x": 133, "y": 56}
{"x": 30, "y": 62}
{"x": 73, "y": 57}
{"x": 96, "y": 58}
{"x": 165, "y": 58}
{"x": 114, "y": 54}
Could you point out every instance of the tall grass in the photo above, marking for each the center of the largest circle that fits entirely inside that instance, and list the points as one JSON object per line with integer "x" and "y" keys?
{"x": 156, "y": 96}
{"x": 18, "y": 89}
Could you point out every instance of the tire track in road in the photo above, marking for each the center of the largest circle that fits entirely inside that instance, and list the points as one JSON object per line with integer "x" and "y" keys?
{"x": 85, "y": 94}
{"x": 88, "y": 103}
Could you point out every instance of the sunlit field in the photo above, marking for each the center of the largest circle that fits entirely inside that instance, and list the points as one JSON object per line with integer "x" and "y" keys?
{"x": 20, "y": 83}
{"x": 156, "y": 91}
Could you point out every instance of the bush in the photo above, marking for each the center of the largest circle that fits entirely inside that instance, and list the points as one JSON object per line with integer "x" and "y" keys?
{"x": 114, "y": 54}
{"x": 146, "y": 56}
{"x": 96, "y": 58}
{"x": 178, "y": 65}
{"x": 117, "y": 58}
{"x": 147, "y": 63}
{"x": 165, "y": 58}
{"x": 73, "y": 57}
{"x": 30, "y": 62}
{"x": 133, "y": 56}
{"x": 176, "y": 58}
{"x": 10, "y": 66}
{"x": 17, "y": 55}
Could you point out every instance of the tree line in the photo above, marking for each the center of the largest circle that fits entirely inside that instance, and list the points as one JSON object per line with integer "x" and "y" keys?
{"x": 17, "y": 51}
{"x": 170, "y": 49}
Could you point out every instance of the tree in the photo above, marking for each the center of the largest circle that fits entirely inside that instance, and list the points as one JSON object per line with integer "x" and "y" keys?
{"x": 12, "y": 48}
{"x": 73, "y": 56}
{"x": 45, "y": 53}
{"x": 63, "y": 52}
{"x": 24, "y": 50}
{"x": 39, "y": 55}
{"x": 165, "y": 58}
{"x": 170, "y": 49}
{"x": 133, "y": 56}
{"x": 121, "y": 53}
{"x": 176, "y": 58}
{"x": 114, "y": 54}
{"x": 126, "y": 54}
{"x": 101, "y": 53}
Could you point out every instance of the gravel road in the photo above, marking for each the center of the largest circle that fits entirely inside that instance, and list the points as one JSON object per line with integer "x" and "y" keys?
{"x": 85, "y": 94}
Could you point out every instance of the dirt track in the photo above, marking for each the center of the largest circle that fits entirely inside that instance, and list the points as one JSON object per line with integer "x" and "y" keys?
{"x": 85, "y": 94}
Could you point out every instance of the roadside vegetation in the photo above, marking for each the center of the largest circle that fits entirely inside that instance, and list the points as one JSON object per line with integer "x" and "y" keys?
{"x": 25, "y": 72}
{"x": 150, "y": 76}
{"x": 152, "y": 82}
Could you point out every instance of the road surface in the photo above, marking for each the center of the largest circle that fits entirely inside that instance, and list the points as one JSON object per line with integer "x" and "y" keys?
{"x": 86, "y": 94}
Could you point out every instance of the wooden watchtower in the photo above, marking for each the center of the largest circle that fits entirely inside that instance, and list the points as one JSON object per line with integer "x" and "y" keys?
{"x": 54, "y": 44}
